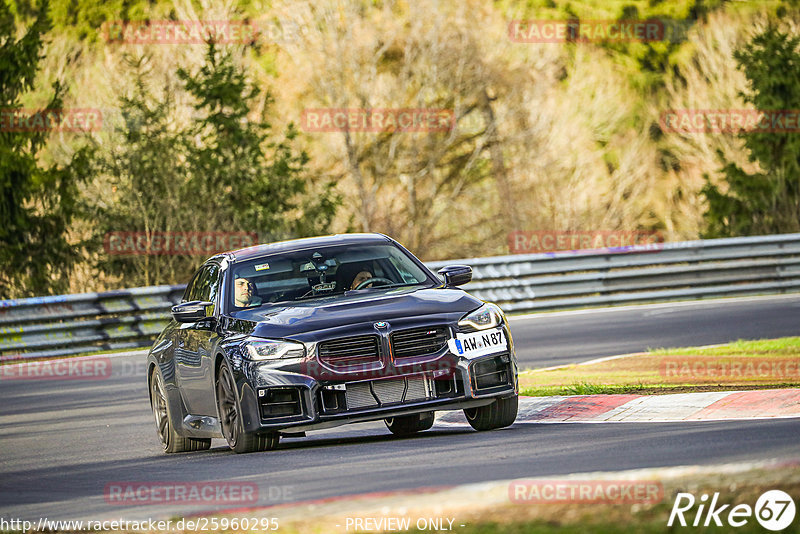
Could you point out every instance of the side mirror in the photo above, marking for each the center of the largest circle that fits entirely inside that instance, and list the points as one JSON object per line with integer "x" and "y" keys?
{"x": 191, "y": 312}
{"x": 456, "y": 275}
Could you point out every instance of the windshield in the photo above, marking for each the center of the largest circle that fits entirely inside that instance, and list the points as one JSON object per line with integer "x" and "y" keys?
{"x": 322, "y": 272}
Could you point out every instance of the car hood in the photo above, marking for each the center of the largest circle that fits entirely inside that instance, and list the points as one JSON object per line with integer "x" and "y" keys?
{"x": 320, "y": 314}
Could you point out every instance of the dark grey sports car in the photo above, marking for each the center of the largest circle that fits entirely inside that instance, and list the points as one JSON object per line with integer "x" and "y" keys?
{"x": 300, "y": 335}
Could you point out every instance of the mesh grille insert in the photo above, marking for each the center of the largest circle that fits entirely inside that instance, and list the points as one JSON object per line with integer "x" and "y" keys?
{"x": 419, "y": 341}
{"x": 350, "y": 351}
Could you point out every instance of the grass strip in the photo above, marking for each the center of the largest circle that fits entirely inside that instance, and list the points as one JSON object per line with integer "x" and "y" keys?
{"x": 760, "y": 364}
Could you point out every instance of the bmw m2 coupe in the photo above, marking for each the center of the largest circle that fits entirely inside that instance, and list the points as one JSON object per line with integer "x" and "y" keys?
{"x": 284, "y": 338}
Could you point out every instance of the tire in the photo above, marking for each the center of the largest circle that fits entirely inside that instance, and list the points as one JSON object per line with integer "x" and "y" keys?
{"x": 501, "y": 413}
{"x": 170, "y": 439}
{"x": 406, "y": 425}
{"x": 230, "y": 419}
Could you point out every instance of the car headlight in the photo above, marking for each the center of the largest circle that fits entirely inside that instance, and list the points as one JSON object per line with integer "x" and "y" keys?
{"x": 273, "y": 349}
{"x": 487, "y": 316}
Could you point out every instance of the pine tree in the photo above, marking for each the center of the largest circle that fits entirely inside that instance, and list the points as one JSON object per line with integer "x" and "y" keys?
{"x": 254, "y": 174}
{"x": 37, "y": 203}
{"x": 765, "y": 202}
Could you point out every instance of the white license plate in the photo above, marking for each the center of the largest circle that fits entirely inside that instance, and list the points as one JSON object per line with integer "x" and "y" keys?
{"x": 479, "y": 343}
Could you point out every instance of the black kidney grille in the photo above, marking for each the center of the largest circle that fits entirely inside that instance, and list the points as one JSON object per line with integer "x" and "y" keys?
{"x": 350, "y": 351}
{"x": 419, "y": 341}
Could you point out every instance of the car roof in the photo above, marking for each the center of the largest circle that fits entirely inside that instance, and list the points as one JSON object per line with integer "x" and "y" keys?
{"x": 304, "y": 243}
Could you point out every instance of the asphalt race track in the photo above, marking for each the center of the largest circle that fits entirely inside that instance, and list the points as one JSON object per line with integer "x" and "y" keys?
{"x": 560, "y": 338}
{"x": 65, "y": 441}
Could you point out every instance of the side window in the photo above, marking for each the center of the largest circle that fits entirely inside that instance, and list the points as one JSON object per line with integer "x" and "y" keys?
{"x": 189, "y": 291}
{"x": 204, "y": 285}
{"x": 212, "y": 288}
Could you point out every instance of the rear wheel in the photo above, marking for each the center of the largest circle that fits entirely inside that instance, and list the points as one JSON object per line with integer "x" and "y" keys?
{"x": 406, "y": 425}
{"x": 170, "y": 439}
{"x": 499, "y": 414}
{"x": 230, "y": 418}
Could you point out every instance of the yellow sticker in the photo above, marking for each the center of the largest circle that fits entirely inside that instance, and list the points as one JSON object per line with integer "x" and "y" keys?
{"x": 262, "y": 267}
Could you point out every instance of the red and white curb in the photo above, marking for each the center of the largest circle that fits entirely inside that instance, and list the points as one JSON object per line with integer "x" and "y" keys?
{"x": 712, "y": 406}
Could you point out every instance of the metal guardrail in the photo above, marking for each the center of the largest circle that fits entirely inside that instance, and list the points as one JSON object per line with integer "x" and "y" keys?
{"x": 650, "y": 273}
{"x": 73, "y": 324}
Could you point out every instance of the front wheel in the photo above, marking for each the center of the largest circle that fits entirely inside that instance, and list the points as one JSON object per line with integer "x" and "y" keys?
{"x": 230, "y": 418}
{"x": 406, "y": 425}
{"x": 170, "y": 440}
{"x": 501, "y": 413}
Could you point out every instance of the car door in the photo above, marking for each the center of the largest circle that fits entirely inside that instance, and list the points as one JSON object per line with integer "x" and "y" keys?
{"x": 184, "y": 357}
{"x": 195, "y": 367}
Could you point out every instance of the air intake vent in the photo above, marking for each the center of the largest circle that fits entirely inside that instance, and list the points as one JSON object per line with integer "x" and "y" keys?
{"x": 281, "y": 402}
{"x": 360, "y": 396}
{"x": 379, "y": 393}
{"x": 491, "y": 372}
{"x": 389, "y": 391}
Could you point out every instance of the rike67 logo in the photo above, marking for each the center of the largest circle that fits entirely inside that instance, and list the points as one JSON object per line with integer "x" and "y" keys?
{"x": 774, "y": 510}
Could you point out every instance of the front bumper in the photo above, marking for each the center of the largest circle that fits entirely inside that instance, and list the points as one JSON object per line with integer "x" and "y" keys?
{"x": 275, "y": 399}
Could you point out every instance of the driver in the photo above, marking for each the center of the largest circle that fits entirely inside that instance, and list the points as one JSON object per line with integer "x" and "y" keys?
{"x": 361, "y": 277}
{"x": 243, "y": 293}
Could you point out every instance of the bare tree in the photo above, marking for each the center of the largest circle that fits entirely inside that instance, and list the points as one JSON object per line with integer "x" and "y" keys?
{"x": 426, "y": 188}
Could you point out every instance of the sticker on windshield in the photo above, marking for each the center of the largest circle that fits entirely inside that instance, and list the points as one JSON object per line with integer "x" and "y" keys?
{"x": 262, "y": 266}
{"x": 478, "y": 343}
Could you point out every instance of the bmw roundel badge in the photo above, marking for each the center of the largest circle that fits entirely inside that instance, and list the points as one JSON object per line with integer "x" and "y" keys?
{"x": 381, "y": 324}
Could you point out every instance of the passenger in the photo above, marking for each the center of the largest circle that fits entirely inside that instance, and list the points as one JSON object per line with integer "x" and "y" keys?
{"x": 244, "y": 293}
